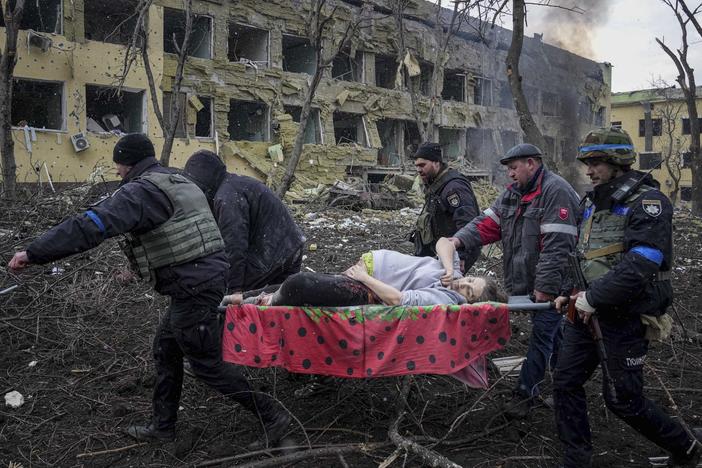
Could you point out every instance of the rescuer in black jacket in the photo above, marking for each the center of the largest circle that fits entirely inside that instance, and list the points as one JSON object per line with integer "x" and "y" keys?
{"x": 449, "y": 204}
{"x": 626, "y": 251}
{"x": 262, "y": 241}
{"x": 172, "y": 241}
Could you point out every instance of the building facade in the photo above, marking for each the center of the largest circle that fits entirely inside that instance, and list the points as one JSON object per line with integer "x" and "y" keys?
{"x": 657, "y": 121}
{"x": 249, "y": 65}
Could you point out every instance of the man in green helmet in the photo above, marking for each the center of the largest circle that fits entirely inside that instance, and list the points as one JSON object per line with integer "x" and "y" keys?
{"x": 625, "y": 247}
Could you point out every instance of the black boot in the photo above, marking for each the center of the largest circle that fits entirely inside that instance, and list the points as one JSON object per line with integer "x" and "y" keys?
{"x": 151, "y": 434}
{"x": 275, "y": 420}
{"x": 693, "y": 455}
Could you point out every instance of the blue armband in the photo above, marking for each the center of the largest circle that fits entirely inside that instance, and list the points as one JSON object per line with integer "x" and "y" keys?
{"x": 96, "y": 219}
{"x": 649, "y": 253}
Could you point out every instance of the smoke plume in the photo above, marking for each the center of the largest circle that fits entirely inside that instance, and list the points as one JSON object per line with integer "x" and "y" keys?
{"x": 572, "y": 26}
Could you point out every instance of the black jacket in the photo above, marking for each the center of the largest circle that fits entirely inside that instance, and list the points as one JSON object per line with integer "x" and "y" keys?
{"x": 260, "y": 236}
{"x": 137, "y": 206}
{"x": 631, "y": 286}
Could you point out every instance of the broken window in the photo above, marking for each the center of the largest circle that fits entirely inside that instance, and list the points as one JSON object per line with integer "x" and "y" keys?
{"x": 481, "y": 146}
{"x": 426, "y": 71}
{"x": 389, "y": 133}
{"x": 657, "y": 125}
{"x": 196, "y": 115}
{"x": 600, "y": 116}
{"x": 482, "y": 92}
{"x": 549, "y": 103}
{"x": 506, "y": 100}
{"x": 313, "y": 132}
{"x": 412, "y": 137}
{"x": 41, "y": 15}
{"x": 38, "y": 104}
{"x": 106, "y": 110}
{"x": 247, "y": 43}
{"x": 348, "y": 68}
{"x": 200, "y": 44}
{"x": 454, "y": 86}
{"x": 649, "y": 160}
{"x": 298, "y": 55}
{"x": 385, "y": 69}
{"x": 112, "y": 22}
{"x": 453, "y": 144}
{"x": 349, "y": 128}
{"x": 617, "y": 124}
{"x": 248, "y": 121}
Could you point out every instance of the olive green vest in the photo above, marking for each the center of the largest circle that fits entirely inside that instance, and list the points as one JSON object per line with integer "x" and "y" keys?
{"x": 601, "y": 239}
{"x": 189, "y": 234}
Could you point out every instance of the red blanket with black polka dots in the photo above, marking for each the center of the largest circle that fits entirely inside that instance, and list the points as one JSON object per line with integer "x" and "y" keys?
{"x": 368, "y": 341}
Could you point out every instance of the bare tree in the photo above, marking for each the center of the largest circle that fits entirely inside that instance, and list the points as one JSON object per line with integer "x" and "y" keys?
{"x": 138, "y": 48}
{"x": 686, "y": 80}
{"x": 12, "y": 13}
{"x": 670, "y": 110}
{"x": 320, "y": 26}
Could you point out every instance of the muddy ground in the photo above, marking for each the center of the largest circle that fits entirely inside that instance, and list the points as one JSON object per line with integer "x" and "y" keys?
{"x": 77, "y": 345}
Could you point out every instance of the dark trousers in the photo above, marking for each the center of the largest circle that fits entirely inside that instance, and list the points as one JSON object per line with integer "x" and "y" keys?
{"x": 320, "y": 289}
{"x": 191, "y": 328}
{"x": 277, "y": 275}
{"x": 577, "y": 360}
{"x": 542, "y": 350}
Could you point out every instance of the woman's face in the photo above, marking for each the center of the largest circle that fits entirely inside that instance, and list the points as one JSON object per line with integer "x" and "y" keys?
{"x": 470, "y": 287}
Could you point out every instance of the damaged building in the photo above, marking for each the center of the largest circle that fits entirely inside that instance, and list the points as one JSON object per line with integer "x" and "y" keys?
{"x": 249, "y": 66}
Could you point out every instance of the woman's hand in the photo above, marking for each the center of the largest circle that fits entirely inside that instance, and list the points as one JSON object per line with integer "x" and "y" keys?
{"x": 447, "y": 278}
{"x": 358, "y": 272}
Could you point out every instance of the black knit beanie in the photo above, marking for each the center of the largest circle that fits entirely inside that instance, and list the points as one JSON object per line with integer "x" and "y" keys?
{"x": 207, "y": 170}
{"x": 429, "y": 151}
{"x": 132, "y": 148}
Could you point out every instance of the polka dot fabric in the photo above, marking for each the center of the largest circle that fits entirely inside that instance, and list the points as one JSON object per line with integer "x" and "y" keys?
{"x": 366, "y": 341}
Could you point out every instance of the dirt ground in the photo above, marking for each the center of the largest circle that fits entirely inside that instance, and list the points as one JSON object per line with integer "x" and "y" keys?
{"x": 77, "y": 345}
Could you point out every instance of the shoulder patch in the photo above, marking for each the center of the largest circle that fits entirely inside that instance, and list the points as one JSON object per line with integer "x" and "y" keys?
{"x": 454, "y": 199}
{"x": 563, "y": 213}
{"x": 652, "y": 208}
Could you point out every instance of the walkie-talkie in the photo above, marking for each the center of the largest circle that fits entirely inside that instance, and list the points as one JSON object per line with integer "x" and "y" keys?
{"x": 631, "y": 185}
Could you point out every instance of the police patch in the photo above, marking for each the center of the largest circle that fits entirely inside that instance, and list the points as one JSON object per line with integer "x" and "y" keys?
{"x": 563, "y": 213}
{"x": 454, "y": 200}
{"x": 652, "y": 207}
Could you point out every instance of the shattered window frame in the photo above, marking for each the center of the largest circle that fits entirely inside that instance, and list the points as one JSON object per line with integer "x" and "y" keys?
{"x": 138, "y": 95}
{"x": 483, "y": 90}
{"x": 31, "y": 7}
{"x": 247, "y": 27}
{"x": 389, "y": 82}
{"x": 315, "y": 130}
{"x": 361, "y": 128}
{"x": 309, "y": 63}
{"x": 185, "y": 129}
{"x": 30, "y": 112}
{"x": 686, "y": 193}
{"x": 123, "y": 27}
{"x": 169, "y": 47}
{"x": 457, "y": 140}
{"x": 396, "y": 129}
{"x": 355, "y": 66}
{"x": 447, "y": 95}
{"x": 649, "y": 159}
{"x": 265, "y": 115}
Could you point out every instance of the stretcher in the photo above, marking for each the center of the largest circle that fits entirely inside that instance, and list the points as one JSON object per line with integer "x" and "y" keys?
{"x": 372, "y": 340}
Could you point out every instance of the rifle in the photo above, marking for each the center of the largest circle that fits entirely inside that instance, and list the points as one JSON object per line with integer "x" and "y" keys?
{"x": 593, "y": 323}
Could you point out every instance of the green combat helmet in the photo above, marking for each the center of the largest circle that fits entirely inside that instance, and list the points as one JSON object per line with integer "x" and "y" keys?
{"x": 613, "y": 145}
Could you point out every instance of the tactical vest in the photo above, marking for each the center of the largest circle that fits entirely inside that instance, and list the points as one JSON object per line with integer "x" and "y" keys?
{"x": 430, "y": 224}
{"x": 601, "y": 240}
{"x": 189, "y": 234}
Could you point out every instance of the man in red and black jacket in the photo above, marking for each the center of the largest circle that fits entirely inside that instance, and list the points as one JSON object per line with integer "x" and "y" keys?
{"x": 535, "y": 218}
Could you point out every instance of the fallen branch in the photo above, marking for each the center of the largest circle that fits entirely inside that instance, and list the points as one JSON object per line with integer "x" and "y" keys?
{"x": 110, "y": 451}
{"x": 335, "y": 450}
{"x": 428, "y": 456}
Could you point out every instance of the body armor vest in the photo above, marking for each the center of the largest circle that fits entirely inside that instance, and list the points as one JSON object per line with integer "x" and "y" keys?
{"x": 601, "y": 240}
{"x": 431, "y": 225}
{"x": 189, "y": 234}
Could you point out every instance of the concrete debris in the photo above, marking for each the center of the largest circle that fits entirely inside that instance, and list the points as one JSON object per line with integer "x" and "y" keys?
{"x": 14, "y": 399}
